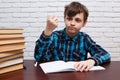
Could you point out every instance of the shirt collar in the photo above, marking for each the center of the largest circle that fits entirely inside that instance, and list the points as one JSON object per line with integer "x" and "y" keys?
{"x": 65, "y": 36}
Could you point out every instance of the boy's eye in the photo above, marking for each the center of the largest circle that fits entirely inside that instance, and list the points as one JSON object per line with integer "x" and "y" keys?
{"x": 78, "y": 20}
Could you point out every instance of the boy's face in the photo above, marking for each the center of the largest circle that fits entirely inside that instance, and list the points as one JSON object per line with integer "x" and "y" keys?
{"x": 74, "y": 24}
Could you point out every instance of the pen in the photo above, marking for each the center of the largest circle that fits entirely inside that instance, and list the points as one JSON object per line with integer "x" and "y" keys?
{"x": 36, "y": 64}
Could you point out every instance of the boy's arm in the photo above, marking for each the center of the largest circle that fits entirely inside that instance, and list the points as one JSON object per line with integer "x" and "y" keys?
{"x": 42, "y": 46}
{"x": 45, "y": 40}
{"x": 97, "y": 53}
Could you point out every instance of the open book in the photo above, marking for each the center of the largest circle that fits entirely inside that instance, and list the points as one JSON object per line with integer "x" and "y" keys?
{"x": 60, "y": 66}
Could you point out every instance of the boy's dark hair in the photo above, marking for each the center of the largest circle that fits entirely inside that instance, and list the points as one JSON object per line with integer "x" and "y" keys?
{"x": 74, "y": 8}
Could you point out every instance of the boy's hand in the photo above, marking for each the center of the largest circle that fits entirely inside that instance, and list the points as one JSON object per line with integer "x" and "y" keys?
{"x": 52, "y": 23}
{"x": 84, "y": 65}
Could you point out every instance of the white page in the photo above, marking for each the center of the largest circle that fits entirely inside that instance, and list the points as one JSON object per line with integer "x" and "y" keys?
{"x": 97, "y": 68}
{"x": 55, "y": 66}
{"x": 60, "y": 66}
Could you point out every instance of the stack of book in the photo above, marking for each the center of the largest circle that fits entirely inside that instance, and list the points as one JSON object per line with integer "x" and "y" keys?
{"x": 12, "y": 44}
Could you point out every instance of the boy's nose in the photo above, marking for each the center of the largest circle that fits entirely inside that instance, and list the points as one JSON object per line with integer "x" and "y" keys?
{"x": 72, "y": 23}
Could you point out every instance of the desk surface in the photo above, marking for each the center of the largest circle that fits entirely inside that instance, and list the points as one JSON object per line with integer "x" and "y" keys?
{"x": 35, "y": 73}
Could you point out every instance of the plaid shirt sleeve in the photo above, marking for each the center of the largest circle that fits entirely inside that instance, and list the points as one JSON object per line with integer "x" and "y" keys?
{"x": 41, "y": 44}
{"x": 97, "y": 52}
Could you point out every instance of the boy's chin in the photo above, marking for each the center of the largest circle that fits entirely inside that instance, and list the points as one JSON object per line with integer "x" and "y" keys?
{"x": 72, "y": 33}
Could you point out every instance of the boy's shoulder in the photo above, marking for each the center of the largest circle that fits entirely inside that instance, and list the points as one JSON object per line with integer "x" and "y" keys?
{"x": 83, "y": 34}
{"x": 58, "y": 32}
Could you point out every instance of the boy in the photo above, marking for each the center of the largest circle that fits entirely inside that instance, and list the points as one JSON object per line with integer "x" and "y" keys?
{"x": 70, "y": 44}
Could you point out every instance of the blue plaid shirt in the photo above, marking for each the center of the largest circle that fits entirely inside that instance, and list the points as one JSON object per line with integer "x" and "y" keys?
{"x": 59, "y": 46}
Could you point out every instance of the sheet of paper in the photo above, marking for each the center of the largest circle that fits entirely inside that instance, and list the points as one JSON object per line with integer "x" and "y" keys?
{"x": 97, "y": 68}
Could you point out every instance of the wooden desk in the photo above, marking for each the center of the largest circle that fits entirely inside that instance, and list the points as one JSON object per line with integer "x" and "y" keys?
{"x": 35, "y": 73}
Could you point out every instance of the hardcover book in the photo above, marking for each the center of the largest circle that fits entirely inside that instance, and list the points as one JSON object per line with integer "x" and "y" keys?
{"x": 12, "y": 44}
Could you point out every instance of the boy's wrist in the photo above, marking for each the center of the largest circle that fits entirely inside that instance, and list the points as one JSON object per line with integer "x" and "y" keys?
{"x": 93, "y": 60}
{"x": 45, "y": 35}
{"x": 47, "y": 32}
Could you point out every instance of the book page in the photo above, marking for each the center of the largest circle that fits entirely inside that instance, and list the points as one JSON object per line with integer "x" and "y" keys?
{"x": 55, "y": 66}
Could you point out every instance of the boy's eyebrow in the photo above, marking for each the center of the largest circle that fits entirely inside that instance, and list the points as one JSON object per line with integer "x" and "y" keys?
{"x": 78, "y": 18}
{"x": 73, "y": 16}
